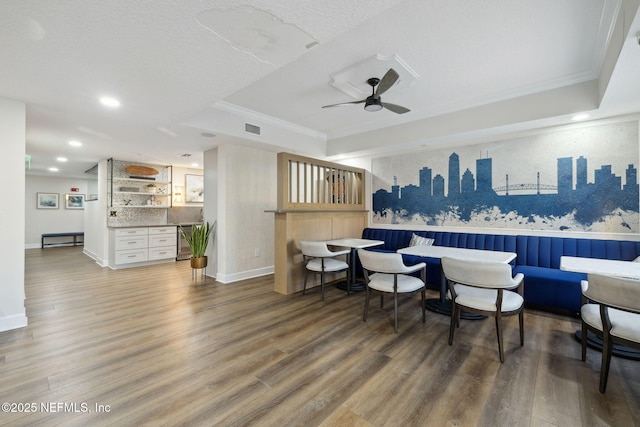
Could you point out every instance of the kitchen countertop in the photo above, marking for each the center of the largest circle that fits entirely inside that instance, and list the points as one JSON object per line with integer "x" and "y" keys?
{"x": 156, "y": 225}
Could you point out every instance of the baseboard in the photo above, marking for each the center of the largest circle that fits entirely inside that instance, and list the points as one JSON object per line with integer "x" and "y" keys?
{"x": 244, "y": 275}
{"x": 101, "y": 262}
{"x": 16, "y": 321}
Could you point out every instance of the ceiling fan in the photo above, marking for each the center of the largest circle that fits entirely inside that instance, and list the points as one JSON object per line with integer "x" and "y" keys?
{"x": 374, "y": 101}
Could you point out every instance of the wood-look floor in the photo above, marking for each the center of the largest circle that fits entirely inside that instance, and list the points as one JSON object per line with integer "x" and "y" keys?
{"x": 152, "y": 348}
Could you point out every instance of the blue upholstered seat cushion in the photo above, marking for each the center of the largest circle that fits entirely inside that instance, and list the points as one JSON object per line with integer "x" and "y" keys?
{"x": 551, "y": 287}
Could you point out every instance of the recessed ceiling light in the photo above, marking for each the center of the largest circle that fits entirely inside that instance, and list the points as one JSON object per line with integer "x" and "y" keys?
{"x": 75, "y": 143}
{"x": 110, "y": 102}
{"x": 53, "y": 169}
{"x": 578, "y": 117}
{"x": 195, "y": 165}
{"x": 61, "y": 159}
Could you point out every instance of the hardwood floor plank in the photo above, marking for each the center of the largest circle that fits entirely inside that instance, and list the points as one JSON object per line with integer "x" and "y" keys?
{"x": 158, "y": 349}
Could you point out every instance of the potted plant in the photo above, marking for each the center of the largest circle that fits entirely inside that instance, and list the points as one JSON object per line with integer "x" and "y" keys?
{"x": 198, "y": 241}
{"x": 151, "y": 188}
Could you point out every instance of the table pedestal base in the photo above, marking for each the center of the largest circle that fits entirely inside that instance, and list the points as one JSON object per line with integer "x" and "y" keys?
{"x": 444, "y": 307}
{"x": 354, "y": 287}
{"x": 595, "y": 342}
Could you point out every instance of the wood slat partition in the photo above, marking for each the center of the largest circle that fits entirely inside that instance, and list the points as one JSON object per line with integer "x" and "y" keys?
{"x": 310, "y": 184}
{"x": 317, "y": 200}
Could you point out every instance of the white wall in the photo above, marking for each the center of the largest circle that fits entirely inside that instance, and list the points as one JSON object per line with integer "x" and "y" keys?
{"x": 96, "y": 233}
{"x": 39, "y": 221}
{"x": 12, "y": 214}
{"x": 247, "y": 186}
{"x": 210, "y": 210}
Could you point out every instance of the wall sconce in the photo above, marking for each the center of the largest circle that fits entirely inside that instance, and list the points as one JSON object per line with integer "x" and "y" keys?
{"x": 177, "y": 194}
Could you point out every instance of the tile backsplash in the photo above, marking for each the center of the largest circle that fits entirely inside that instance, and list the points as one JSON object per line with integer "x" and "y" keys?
{"x": 184, "y": 215}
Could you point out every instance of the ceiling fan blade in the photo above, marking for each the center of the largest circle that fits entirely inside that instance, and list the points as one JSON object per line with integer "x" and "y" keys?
{"x": 344, "y": 103}
{"x": 399, "y": 109}
{"x": 388, "y": 80}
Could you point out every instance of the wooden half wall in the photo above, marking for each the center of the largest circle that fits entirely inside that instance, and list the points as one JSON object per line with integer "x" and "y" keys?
{"x": 317, "y": 200}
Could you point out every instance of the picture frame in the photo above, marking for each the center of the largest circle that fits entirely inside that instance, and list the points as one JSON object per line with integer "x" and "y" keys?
{"x": 74, "y": 201}
{"x": 47, "y": 200}
{"x": 194, "y": 188}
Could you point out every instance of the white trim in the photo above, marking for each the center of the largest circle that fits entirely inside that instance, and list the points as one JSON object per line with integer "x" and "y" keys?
{"x": 101, "y": 262}
{"x": 250, "y": 274}
{"x": 16, "y": 321}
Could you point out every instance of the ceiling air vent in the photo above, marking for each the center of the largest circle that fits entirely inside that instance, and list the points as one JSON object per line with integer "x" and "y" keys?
{"x": 249, "y": 128}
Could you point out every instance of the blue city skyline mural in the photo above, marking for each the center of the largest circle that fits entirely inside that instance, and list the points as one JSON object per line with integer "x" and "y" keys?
{"x": 582, "y": 179}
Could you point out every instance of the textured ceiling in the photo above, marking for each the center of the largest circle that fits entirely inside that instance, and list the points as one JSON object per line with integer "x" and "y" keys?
{"x": 188, "y": 67}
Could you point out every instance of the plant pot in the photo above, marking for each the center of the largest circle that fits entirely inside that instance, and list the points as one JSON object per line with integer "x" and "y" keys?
{"x": 199, "y": 262}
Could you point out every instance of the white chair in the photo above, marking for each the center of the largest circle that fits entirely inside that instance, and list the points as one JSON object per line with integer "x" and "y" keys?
{"x": 321, "y": 260}
{"x": 612, "y": 312}
{"x": 390, "y": 275}
{"x": 484, "y": 288}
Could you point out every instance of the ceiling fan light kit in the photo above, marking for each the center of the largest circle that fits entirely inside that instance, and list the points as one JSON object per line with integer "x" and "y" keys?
{"x": 378, "y": 86}
{"x": 373, "y": 104}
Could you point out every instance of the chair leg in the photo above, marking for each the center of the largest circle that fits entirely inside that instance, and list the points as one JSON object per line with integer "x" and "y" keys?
{"x": 395, "y": 310}
{"x": 423, "y": 314}
{"x": 521, "y": 319}
{"x": 584, "y": 341}
{"x": 322, "y": 284}
{"x": 366, "y": 304}
{"x": 304, "y": 287}
{"x": 348, "y": 277}
{"x": 454, "y": 315}
{"x": 499, "y": 332}
{"x": 607, "y": 348}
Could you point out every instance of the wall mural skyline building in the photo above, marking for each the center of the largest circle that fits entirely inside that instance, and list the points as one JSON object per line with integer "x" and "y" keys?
{"x": 566, "y": 181}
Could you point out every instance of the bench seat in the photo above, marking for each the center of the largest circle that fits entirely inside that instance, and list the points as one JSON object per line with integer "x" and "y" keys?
{"x": 538, "y": 258}
{"x": 73, "y": 234}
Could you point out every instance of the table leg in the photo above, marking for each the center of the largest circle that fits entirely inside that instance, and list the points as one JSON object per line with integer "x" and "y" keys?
{"x": 351, "y": 284}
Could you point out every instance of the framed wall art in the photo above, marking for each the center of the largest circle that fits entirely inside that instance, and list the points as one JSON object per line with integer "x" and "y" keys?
{"x": 47, "y": 200}
{"x": 74, "y": 201}
{"x": 194, "y": 188}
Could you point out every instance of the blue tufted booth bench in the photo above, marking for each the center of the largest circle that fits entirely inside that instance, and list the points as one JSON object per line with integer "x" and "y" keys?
{"x": 538, "y": 258}
{"x": 397, "y": 239}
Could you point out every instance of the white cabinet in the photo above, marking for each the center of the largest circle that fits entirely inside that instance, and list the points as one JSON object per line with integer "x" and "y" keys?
{"x": 162, "y": 253}
{"x": 131, "y": 256}
{"x": 162, "y": 242}
{"x": 135, "y": 245}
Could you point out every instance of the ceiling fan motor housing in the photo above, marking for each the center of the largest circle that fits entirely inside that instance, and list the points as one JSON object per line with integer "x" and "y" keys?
{"x": 373, "y": 104}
